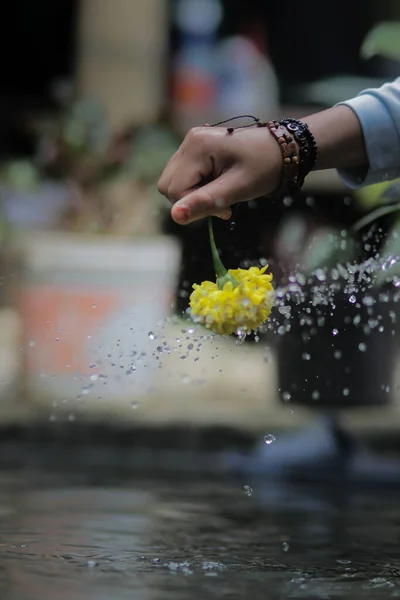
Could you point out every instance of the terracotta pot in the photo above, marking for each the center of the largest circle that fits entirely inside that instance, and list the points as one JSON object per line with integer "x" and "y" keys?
{"x": 87, "y": 305}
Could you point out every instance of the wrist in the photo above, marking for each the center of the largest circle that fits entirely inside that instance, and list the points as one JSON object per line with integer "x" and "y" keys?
{"x": 339, "y": 138}
{"x": 298, "y": 149}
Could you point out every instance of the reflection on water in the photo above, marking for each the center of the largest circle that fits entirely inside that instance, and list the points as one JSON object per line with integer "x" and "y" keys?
{"x": 183, "y": 539}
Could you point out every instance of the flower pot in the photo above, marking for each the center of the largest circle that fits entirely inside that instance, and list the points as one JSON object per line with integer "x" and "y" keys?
{"x": 338, "y": 355}
{"x": 88, "y": 306}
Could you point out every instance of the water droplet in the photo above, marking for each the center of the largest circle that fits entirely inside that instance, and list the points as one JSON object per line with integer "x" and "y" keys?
{"x": 186, "y": 379}
{"x": 286, "y": 397}
{"x": 57, "y": 339}
{"x": 338, "y": 354}
{"x": 315, "y": 395}
{"x": 320, "y": 274}
{"x": 152, "y": 336}
{"x": 269, "y": 438}
{"x": 368, "y": 301}
{"x": 247, "y": 490}
{"x": 285, "y": 546}
{"x": 134, "y": 405}
{"x": 288, "y": 201}
{"x": 91, "y": 564}
{"x": 232, "y": 226}
{"x": 335, "y": 331}
{"x": 32, "y": 344}
{"x": 94, "y": 305}
{"x": 362, "y": 347}
{"x": 267, "y": 354}
{"x": 241, "y": 335}
{"x": 352, "y": 299}
{"x": 343, "y": 561}
{"x": 71, "y": 417}
{"x": 306, "y": 356}
{"x": 346, "y": 392}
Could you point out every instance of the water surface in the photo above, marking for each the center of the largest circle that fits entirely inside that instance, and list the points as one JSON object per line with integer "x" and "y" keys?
{"x": 79, "y": 537}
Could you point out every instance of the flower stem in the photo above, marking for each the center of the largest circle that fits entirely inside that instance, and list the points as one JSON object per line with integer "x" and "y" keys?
{"x": 222, "y": 274}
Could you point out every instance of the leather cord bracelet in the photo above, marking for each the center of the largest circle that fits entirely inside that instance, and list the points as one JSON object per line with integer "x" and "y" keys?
{"x": 297, "y": 144}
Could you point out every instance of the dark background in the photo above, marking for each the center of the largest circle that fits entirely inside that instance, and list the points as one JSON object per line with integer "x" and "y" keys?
{"x": 307, "y": 40}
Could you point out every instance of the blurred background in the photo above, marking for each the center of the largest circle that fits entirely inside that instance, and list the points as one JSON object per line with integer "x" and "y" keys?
{"x": 95, "y": 278}
{"x": 119, "y": 418}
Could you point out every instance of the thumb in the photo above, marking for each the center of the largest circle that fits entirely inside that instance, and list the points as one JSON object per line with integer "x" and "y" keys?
{"x": 211, "y": 199}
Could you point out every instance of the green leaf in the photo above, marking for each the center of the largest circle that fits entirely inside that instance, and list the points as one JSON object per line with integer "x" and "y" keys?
{"x": 374, "y": 215}
{"x": 391, "y": 256}
{"x": 383, "y": 40}
{"x": 327, "y": 248}
{"x": 20, "y": 175}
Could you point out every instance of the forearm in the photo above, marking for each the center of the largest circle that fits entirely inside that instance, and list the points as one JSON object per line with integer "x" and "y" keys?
{"x": 339, "y": 138}
{"x": 361, "y": 137}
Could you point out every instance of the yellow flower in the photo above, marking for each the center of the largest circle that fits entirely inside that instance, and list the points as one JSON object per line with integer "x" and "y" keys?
{"x": 243, "y": 303}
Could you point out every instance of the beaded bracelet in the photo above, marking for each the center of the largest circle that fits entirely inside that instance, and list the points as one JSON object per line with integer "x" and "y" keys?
{"x": 290, "y": 171}
{"x": 308, "y": 151}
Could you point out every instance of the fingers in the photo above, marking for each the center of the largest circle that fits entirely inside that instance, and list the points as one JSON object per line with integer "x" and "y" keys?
{"x": 176, "y": 184}
{"x": 187, "y": 168}
{"x": 213, "y": 199}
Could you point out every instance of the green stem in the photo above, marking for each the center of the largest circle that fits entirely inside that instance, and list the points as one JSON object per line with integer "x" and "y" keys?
{"x": 222, "y": 274}
{"x": 220, "y": 270}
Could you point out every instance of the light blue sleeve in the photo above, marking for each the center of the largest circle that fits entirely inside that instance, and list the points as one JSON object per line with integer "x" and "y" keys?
{"x": 378, "y": 111}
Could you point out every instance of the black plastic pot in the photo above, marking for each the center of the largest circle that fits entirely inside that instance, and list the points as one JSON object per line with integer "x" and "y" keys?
{"x": 341, "y": 354}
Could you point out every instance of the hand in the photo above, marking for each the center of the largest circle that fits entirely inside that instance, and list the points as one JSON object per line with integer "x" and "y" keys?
{"x": 214, "y": 169}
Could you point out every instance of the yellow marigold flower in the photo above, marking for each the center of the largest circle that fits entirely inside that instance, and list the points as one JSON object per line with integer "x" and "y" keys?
{"x": 240, "y": 300}
{"x": 227, "y": 310}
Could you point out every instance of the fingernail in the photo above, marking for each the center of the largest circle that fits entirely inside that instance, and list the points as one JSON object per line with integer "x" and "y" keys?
{"x": 182, "y": 213}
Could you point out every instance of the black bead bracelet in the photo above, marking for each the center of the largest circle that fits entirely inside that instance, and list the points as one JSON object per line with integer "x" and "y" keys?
{"x": 308, "y": 151}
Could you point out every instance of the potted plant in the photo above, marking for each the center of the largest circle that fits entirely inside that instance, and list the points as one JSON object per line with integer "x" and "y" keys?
{"x": 95, "y": 279}
{"x": 337, "y": 315}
